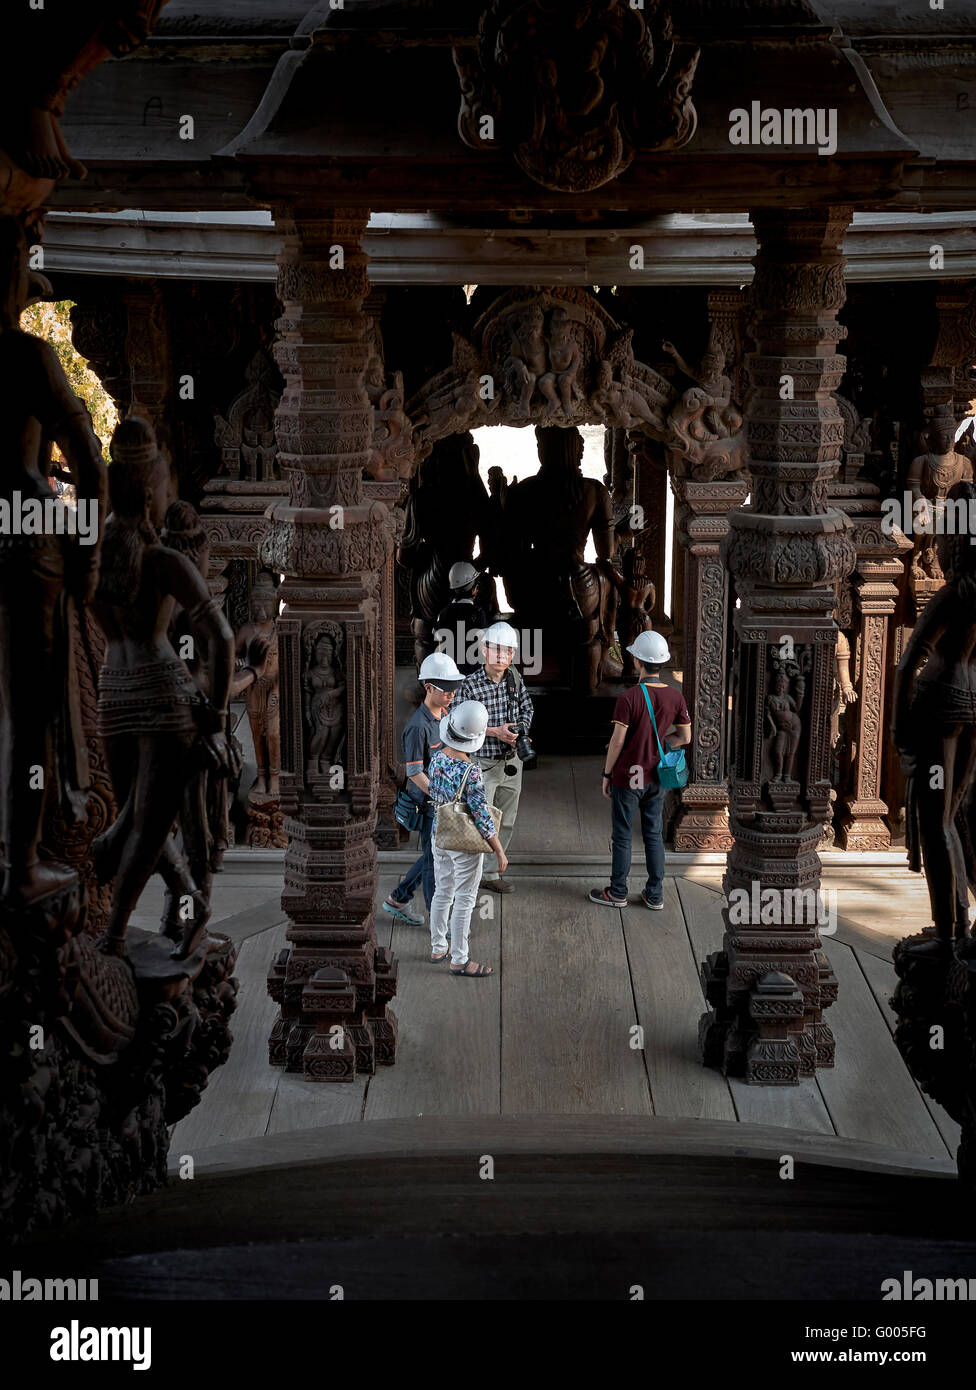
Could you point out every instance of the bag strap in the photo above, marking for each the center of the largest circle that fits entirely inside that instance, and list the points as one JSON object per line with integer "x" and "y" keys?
{"x": 650, "y": 710}
{"x": 460, "y": 790}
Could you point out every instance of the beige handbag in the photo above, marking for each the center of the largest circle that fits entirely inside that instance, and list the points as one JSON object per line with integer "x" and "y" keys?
{"x": 456, "y": 828}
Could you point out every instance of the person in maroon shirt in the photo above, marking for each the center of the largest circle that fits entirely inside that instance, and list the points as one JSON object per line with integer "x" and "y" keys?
{"x": 630, "y": 780}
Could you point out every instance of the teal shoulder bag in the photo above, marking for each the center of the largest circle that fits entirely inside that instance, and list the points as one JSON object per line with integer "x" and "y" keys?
{"x": 672, "y": 770}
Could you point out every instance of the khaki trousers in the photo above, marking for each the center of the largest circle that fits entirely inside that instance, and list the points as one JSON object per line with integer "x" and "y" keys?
{"x": 502, "y": 792}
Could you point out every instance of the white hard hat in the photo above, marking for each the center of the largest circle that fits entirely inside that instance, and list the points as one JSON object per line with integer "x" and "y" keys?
{"x": 440, "y": 671}
{"x": 501, "y": 635}
{"x": 465, "y": 726}
{"x": 463, "y": 575}
{"x": 651, "y": 648}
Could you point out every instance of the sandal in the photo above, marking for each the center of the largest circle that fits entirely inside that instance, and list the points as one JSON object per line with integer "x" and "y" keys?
{"x": 436, "y": 960}
{"x": 479, "y": 974}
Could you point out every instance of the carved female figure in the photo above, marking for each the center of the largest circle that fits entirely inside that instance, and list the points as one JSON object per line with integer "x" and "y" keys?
{"x": 934, "y": 729}
{"x": 325, "y": 705}
{"x": 785, "y": 726}
{"x": 153, "y": 720}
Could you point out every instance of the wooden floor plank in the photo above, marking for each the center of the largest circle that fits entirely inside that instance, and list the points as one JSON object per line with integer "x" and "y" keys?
{"x": 702, "y": 910}
{"x": 669, "y": 1003}
{"x": 592, "y": 808}
{"x": 548, "y": 822}
{"x": 869, "y": 1092}
{"x": 796, "y": 1107}
{"x": 568, "y": 1006}
{"x": 882, "y": 979}
{"x": 239, "y": 1096}
{"x": 449, "y": 1030}
{"x": 792, "y": 1107}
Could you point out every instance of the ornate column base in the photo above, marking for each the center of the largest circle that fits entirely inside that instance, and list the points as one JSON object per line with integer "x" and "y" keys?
{"x": 864, "y": 826}
{"x": 703, "y": 821}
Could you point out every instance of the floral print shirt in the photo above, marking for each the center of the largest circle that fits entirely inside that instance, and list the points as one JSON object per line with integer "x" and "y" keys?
{"x": 445, "y": 774}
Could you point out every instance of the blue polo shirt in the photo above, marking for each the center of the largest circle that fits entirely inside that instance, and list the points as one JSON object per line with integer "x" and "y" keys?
{"x": 421, "y": 738}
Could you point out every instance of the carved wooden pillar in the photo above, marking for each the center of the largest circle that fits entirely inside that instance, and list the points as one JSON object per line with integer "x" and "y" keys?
{"x": 875, "y": 594}
{"x": 651, "y": 495}
{"x": 701, "y": 522}
{"x": 387, "y": 829}
{"x": 785, "y": 551}
{"x": 679, "y": 559}
{"x": 330, "y": 541}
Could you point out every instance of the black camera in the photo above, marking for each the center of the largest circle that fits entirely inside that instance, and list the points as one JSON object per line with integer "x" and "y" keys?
{"x": 523, "y": 744}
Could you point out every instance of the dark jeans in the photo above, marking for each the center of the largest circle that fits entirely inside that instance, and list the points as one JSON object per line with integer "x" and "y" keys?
{"x": 623, "y": 803}
{"x": 420, "y": 872}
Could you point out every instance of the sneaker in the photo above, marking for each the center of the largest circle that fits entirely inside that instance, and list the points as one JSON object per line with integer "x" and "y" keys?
{"x": 655, "y": 904}
{"x": 605, "y": 898}
{"x": 401, "y": 913}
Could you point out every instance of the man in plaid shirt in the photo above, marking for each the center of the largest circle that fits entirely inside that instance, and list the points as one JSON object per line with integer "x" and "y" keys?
{"x": 504, "y": 696}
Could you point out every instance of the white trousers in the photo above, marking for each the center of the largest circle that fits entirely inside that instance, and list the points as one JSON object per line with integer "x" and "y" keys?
{"x": 456, "y": 879}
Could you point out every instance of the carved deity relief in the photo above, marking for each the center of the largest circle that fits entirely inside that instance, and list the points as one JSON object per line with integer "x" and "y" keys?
{"x": 246, "y": 438}
{"x": 783, "y": 715}
{"x": 541, "y": 356}
{"x": 324, "y": 688}
{"x": 391, "y": 456}
{"x": 574, "y": 91}
{"x": 705, "y": 428}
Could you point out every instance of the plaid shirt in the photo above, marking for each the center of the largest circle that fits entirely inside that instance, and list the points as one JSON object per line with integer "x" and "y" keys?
{"x": 505, "y": 705}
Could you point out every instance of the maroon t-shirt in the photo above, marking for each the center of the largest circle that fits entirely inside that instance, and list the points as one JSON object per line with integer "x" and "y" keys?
{"x": 640, "y": 745}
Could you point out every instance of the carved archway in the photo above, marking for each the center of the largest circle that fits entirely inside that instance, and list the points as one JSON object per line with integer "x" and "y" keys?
{"x": 555, "y": 356}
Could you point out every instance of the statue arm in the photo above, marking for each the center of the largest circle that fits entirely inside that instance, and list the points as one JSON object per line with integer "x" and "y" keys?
{"x": 679, "y": 361}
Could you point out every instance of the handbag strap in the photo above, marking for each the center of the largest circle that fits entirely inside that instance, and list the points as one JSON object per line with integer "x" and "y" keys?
{"x": 650, "y": 710}
{"x": 464, "y": 779}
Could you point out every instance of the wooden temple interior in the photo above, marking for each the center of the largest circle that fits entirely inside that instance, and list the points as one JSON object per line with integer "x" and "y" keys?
{"x": 322, "y": 253}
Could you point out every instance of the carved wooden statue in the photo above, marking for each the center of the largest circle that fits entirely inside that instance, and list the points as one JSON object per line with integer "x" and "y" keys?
{"x": 930, "y": 478}
{"x": 155, "y": 723}
{"x": 549, "y": 518}
{"x": 446, "y": 512}
{"x": 636, "y": 599}
{"x": 204, "y": 820}
{"x": 934, "y": 729}
{"x": 257, "y": 652}
{"x": 37, "y": 574}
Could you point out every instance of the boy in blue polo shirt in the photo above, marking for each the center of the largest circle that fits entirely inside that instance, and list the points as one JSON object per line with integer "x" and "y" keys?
{"x": 421, "y": 738}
